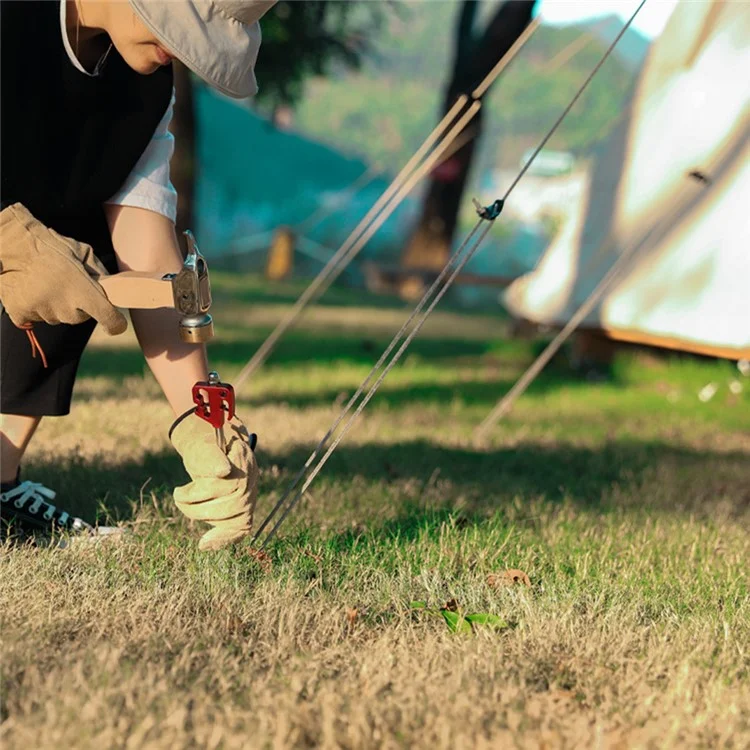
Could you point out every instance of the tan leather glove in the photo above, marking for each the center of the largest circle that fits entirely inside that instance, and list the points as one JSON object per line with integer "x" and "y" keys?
{"x": 225, "y": 486}
{"x": 47, "y": 277}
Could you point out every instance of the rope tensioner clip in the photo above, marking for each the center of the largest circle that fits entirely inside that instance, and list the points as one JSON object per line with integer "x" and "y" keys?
{"x": 214, "y": 402}
{"x": 491, "y": 212}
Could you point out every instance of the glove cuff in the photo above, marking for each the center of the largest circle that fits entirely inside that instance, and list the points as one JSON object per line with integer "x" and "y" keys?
{"x": 251, "y": 436}
{"x": 180, "y": 420}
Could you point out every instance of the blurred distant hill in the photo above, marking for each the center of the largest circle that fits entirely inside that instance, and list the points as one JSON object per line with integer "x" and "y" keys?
{"x": 383, "y": 112}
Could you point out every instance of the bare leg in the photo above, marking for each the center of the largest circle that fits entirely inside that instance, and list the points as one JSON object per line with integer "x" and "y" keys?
{"x": 15, "y": 433}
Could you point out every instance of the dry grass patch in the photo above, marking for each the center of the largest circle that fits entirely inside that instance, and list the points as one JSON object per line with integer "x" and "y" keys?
{"x": 147, "y": 643}
{"x": 628, "y": 512}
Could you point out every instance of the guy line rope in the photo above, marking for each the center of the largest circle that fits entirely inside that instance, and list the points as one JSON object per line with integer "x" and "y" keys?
{"x": 506, "y": 402}
{"x": 452, "y": 268}
{"x": 404, "y": 182}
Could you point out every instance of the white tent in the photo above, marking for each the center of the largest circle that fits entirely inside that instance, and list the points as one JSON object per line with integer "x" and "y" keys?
{"x": 685, "y": 283}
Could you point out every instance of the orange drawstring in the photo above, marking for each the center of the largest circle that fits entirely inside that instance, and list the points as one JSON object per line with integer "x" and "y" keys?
{"x": 34, "y": 341}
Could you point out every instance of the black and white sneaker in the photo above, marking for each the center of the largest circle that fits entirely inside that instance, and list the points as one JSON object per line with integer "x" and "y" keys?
{"x": 27, "y": 508}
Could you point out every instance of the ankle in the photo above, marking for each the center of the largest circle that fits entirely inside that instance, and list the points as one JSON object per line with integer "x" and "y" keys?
{"x": 10, "y": 483}
{"x": 10, "y": 473}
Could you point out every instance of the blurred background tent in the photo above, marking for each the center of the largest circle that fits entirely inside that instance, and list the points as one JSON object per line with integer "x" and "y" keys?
{"x": 278, "y": 177}
{"x": 672, "y": 184}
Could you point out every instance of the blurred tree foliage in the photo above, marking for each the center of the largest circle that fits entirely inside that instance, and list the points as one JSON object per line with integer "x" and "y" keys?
{"x": 385, "y": 111}
{"x": 302, "y": 40}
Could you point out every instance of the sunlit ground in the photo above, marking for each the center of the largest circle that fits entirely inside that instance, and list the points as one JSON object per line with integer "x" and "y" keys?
{"x": 626, "y": 502}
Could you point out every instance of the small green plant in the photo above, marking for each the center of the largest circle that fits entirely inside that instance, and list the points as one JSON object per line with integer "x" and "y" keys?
{"x": 459, "y": 622}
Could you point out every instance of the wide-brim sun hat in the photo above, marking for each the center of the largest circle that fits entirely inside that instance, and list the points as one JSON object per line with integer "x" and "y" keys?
{"x": 217, "y": 39}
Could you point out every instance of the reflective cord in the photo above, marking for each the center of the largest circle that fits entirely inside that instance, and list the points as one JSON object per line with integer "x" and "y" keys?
{"x": 456, "y": 262}
{"x": 375, "y": 218}
{"x": 502, "y": 63}
{"x": 365, "y": 383}
{"x": 506, "y": 403}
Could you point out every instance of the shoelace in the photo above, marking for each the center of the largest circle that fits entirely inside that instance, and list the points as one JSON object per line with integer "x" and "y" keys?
{"x": 41, "y": 495}
{"x": 34, "y": 341}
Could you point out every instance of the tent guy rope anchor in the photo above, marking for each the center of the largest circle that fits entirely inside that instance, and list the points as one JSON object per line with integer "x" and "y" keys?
{"x": 488, "y": 215}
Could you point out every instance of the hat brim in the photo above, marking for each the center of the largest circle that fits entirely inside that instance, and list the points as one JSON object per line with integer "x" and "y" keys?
{"x": 219, "y": 49}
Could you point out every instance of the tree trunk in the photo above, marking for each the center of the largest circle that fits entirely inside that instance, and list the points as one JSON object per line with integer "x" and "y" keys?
{"x": 183, "y": 170}
{"x": 431, "y": 243}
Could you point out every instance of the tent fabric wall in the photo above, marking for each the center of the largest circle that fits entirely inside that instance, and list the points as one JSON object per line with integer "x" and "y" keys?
{"x": 254, "y": 177}
{"x": 687, "y": 283}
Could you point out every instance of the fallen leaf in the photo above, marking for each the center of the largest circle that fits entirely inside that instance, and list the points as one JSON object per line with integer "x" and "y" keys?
{"x": 456, "y": 623}
{"x": 451, "y": 605}
{"x": 351, "y": 616}
{"x": 484, "y": 618}
{"x": 508, "y": 578}
{"x": 261, "y": 557}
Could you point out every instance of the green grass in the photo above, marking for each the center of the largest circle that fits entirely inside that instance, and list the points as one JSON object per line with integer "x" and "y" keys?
{"x": 626, "y": 502}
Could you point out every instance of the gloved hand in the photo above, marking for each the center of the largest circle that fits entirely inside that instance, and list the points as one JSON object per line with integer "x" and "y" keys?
{"x": 47, "y": 277}
{"x": 225, "y": 486}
